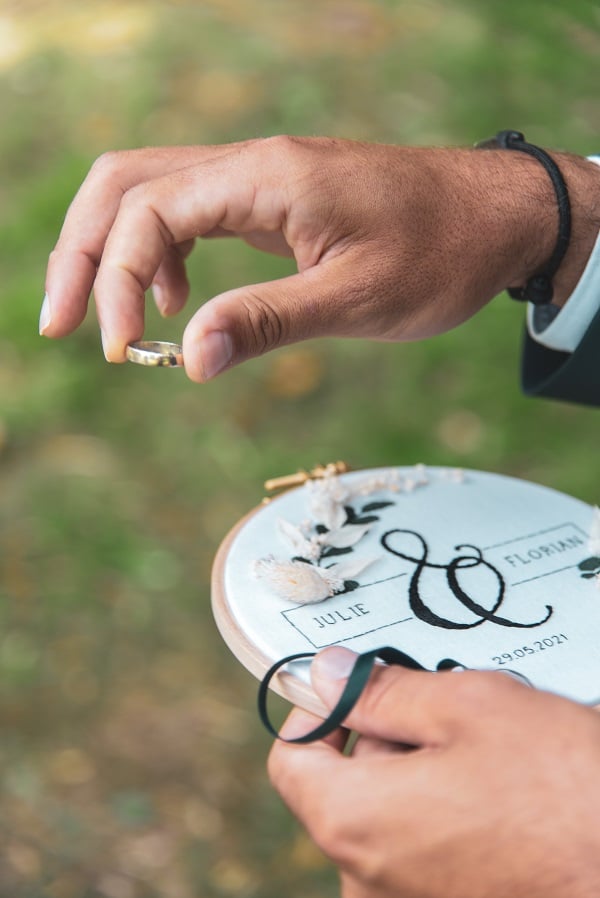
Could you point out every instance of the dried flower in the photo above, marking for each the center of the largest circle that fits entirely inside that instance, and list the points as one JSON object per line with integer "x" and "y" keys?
{"x": 296, "y": 581}
{"x": 455, "y": 475}
{"x": 325, "y": 501}
{"x": 306, "y": 547}
{"x": 387, "y": 480}
{"x": 304, "y": 583}
{"x": 420, "y": 473}
{"x": 328, "y": 532}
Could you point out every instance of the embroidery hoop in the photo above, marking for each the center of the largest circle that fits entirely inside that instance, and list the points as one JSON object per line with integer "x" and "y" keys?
{"x": 293, "y": 684}
{"x": 284, "y": 683}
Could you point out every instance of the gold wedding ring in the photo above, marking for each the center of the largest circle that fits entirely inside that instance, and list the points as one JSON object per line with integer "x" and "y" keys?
{"x": 155, "y": 354}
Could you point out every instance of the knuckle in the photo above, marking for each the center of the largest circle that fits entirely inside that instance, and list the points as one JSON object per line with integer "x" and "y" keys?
{"x": 265, "y": 324}
{"x": 134, "y": 196}
{"x": 345, "y": 836}
{"x": 331, "y": 834}
{"x": 280, "y": 142}
{"x": 282, "y": 147}
{"x": 142, "y": 198}
{"x": 109, "y": 164}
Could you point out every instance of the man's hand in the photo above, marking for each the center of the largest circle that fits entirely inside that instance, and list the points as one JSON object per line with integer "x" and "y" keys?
{"x": 499, "y": 796}
{"x": 391, "y": 243}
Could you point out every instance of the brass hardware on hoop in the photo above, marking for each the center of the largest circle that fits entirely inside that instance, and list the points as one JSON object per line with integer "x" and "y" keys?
{"x": 317, "y": 473}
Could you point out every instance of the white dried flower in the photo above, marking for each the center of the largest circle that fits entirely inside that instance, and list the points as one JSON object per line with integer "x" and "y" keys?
{"x": 594, "y": 534}
{"x": 296, "y": 581}
{"x": 305, "y": 584}
{"x": 420, "y": 473}
{"x": 327, "y": 506}
{"x": 388, "y": 480}
{"x": 301, "y": 545}
{"x": 332, "y": 485}
{"x": 455, "y": 475}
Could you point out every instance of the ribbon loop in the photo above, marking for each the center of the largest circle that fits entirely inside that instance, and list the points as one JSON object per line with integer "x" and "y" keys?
{"x": 356, "y": 682}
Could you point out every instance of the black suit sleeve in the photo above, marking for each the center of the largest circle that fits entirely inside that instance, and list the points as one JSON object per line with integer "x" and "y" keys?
{"x": 574, "y": 377}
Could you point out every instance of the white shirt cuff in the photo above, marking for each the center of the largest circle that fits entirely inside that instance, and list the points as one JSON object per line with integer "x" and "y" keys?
{"x": 564, "y": 331}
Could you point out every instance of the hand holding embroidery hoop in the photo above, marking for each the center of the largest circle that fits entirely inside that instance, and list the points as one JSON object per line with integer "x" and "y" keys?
{"x": 494, "y": 572}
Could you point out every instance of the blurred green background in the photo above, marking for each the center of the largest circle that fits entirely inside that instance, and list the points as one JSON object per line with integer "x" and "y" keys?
{"x": 131, "y": 757}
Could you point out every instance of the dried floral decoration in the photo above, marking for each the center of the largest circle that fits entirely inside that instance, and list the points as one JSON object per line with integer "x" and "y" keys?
{"x": 590, "y": 567}
{"x": 334, "y": 528}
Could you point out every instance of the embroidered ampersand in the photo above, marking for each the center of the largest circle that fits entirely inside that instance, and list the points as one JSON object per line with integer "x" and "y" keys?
{"x": 452, "y": 569}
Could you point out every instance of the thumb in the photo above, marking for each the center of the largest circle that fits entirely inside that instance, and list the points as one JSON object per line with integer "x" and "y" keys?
{"x": 247, "y": 322}
{"x": 397, "y": 704}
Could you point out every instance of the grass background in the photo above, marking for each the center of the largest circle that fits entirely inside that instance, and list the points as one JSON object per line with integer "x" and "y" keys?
{"x": 132, "y": 762}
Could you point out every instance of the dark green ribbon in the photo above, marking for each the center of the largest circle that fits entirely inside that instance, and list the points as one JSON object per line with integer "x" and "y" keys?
{"x": 355, "y": 684}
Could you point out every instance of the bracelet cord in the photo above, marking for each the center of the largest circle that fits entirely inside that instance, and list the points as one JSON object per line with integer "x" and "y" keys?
{"x": 538, "y": 289}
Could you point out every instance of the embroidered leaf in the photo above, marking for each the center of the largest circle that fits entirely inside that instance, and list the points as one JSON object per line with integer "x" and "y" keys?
{"x": 345, "y": 536}
{"x": 375, "y": 506}
{"x": 350, "y": 585}
{"x": 589, "y": 564}
{"x": 350, "y": 514}
{"x": 351, "y": 567}
{"x": 321, "y": 528}
{"x": 334, "y": 550}
{"x": 303, "y": 560}
{"x": 369, "y": 519}
{"x": 588, "y": 576}
{"x": 337, "y": 574}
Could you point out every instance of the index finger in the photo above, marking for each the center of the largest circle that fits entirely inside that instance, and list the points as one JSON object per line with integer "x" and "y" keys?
{"x": 230, "y": 192}
{"x": 73, "y": 263}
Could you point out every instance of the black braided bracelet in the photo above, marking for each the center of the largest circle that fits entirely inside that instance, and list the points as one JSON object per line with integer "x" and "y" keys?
{"x": 538, "y": 289}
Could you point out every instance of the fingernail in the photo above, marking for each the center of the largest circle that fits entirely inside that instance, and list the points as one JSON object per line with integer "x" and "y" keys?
{"x": 45, "y": 314}
{"x": 334, "y": 663}
{"x": 159, "y": 299}
{"x": 104, "y": 339}
{"x": 216, "y": 351}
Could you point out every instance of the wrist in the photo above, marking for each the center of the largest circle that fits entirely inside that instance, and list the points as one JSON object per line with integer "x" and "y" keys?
{"x": 541, "y": 226}
{"x": 583, "y": 182}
